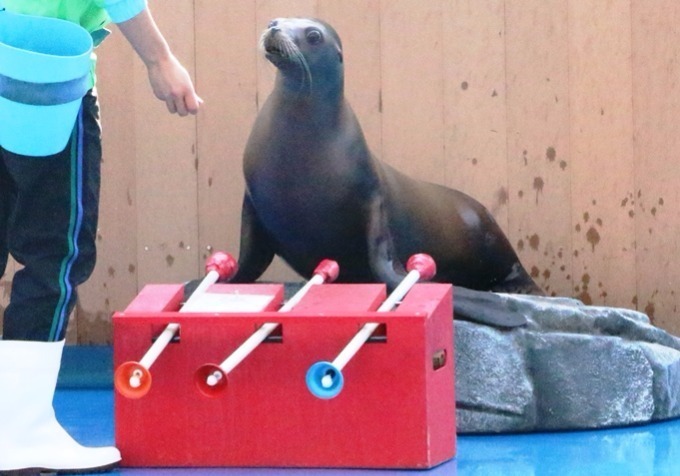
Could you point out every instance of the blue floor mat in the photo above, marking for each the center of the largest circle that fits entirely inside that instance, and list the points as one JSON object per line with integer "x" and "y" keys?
{"x": 84, "y": 405}
{"x": 86, "y": 367}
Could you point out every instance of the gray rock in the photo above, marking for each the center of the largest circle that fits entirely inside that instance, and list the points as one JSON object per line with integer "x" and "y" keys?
{"x": 571, "y": 367}
{"x": 502, "y": 395}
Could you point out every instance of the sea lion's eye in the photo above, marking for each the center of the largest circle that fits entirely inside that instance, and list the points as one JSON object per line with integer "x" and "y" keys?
{"x": 314, "y": 37}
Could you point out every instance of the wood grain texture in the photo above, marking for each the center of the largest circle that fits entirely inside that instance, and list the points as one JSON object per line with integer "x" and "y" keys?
{"x": 561, "y": 116}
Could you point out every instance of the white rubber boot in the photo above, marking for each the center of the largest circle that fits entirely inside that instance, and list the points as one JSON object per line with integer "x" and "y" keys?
{"x": 30, "y": 435}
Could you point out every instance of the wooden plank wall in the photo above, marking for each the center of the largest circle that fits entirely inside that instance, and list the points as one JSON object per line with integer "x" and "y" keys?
{"x": 561, "y": 116}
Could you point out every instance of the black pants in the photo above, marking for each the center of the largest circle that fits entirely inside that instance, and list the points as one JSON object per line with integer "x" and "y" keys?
{"x": 48, "y": 223}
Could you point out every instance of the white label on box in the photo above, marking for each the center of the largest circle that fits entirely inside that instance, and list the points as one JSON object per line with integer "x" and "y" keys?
{"x": 222, "y": 302}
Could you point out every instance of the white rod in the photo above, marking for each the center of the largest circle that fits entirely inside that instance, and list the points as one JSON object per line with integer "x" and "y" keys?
{"x": 158, "y": 346}
{"x": 247, "y": 347}
{"x": 263, "y": 332}
{"x": 171, "y": 329}
{"x": 368, "y": 329}
{"x": 210, "y": 279}
{"x": 400, "y": 291}
{"x": 354, "y": 345}
{"x": 292, "y": 302}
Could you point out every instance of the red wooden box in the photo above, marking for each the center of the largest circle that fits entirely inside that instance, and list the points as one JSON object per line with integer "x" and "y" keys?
{"x": 396, "y": 409}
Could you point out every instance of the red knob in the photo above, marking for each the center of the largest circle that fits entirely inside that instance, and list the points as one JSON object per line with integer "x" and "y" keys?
{"x": 424, "y": 264}
{"x": 329, "y": 269}
{"x": 224, "y": 263}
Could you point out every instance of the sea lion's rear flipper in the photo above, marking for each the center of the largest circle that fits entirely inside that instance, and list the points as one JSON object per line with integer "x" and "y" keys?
{"x": 485, "y": 307}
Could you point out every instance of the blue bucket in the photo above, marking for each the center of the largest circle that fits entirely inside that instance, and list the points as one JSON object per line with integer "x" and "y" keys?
{"x": 44, "y": 74}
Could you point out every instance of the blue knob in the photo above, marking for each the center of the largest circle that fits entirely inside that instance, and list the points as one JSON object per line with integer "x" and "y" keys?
{"x": 324, "y": 380}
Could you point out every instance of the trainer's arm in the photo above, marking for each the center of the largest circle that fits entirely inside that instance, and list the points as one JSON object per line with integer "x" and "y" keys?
{"x": 169, "y": 80}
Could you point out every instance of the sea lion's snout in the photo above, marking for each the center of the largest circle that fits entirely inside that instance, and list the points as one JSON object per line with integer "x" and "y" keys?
{"x": 279, "y": 42}
{"x": 270, "y": 45}
{"x": 275, "y": 42}
{"x": 271, "y": 41}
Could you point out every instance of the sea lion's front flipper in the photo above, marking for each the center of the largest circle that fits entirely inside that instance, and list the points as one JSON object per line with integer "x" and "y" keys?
{"x": 255, "y": 253}
{"x": 382, "y": 258}
{"x": 485, "y": 307}
{"x": 256, "y": 250}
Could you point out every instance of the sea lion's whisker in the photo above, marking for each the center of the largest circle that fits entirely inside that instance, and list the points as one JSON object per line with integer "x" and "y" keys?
{"x": 302, "y": 61}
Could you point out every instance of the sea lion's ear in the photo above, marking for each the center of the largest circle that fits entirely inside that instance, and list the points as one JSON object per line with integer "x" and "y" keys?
{"x": 340, "y": 58}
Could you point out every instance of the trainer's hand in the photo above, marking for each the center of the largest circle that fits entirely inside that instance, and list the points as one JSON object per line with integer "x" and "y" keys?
{"x": 169, "y": 79}
{"x": 171, "y": 83}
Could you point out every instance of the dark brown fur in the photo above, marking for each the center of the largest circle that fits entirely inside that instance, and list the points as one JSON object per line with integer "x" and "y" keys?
{"x": 315, "y": 191}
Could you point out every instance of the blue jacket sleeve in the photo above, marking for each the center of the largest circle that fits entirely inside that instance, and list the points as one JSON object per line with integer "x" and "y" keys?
{"x": 122, "y": 10}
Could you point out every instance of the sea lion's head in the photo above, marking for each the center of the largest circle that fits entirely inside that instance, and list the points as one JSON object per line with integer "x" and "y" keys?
{"x": 307, "y": 53}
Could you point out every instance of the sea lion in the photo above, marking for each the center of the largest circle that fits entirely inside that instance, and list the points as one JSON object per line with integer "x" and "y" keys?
{"x": 314, "y": 190}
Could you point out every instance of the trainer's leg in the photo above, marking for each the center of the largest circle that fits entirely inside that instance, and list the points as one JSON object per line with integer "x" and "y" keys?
{"x": 51, "y": 224}
{"x": 6, "y": 198}
{"x": 52, "y": 230}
